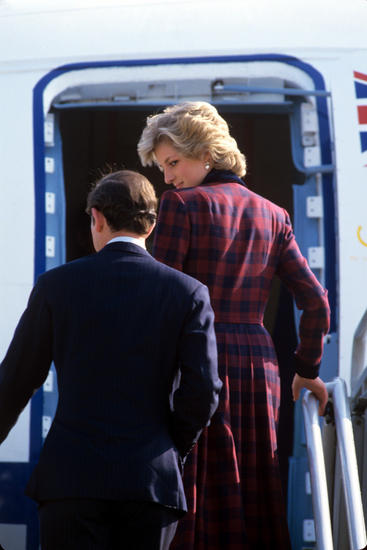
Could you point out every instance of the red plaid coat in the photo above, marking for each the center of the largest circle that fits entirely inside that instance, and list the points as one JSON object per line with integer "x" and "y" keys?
{"x": 235, "y": 241}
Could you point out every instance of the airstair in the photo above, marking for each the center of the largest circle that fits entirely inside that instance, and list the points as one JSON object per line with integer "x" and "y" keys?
{"x": 337, "y": 454}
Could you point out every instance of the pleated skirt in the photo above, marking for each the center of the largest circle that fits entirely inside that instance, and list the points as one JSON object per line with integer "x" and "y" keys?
{"x": 231, "y": 477}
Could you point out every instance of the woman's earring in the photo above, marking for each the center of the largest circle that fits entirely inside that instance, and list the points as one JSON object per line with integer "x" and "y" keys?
{"x": 207, "y": 166}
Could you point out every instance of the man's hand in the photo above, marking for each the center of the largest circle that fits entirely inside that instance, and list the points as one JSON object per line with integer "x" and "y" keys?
{"x": 317, "y": 387}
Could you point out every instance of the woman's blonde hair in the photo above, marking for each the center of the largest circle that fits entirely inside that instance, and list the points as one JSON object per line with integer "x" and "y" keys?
{"x": 194, "y": 128}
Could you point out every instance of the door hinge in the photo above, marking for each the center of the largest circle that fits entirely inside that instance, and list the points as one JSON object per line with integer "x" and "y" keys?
{"x": 316, "y": 257}
{"x": 314, "y": 207}
{"x": 49, "y": 127}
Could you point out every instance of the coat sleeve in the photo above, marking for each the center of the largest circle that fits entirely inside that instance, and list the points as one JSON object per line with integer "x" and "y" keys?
{"x": 311, "y": 298}
{"x": 196, "y": 398}
{"x": 172, "y": 233}
{"x": 27, "y": 361}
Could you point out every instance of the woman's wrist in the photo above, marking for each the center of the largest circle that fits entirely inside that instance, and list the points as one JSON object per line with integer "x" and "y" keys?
{"x": 304, "y": 369}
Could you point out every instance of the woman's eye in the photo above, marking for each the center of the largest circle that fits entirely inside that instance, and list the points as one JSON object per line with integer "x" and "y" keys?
{"x": 173, "y": 162}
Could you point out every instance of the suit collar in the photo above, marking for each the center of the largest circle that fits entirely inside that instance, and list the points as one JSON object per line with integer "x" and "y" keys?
{"x": 126, "y": 247}
{"x": 128, "y": 239}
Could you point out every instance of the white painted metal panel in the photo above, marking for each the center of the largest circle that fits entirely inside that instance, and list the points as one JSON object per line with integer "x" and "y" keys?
{"x": 351, "y": 206}
{"x": 16, "y": 446}
{"x": 35, "y": 30}
{"x": 16, "y": 199}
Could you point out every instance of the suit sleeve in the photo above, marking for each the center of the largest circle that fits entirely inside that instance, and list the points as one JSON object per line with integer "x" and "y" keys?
{"x": 172, "y": 233}
{"x": 27, "y": 361}
{"x": 196, "y": 399}
{"x": 311, "y": 298}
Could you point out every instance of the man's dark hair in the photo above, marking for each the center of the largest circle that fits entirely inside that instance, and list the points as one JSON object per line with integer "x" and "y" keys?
{"x": 126, "y": 199}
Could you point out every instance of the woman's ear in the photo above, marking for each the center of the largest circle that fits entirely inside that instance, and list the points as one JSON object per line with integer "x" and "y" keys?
{"x": 206, "y": 157}
{"x": 208, "y": 161}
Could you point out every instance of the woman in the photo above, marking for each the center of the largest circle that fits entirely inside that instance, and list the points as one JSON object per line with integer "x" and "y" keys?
{"x": 215, "y": 229}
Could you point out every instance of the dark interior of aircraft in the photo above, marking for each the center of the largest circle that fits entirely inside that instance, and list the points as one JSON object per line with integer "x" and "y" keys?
{"x": 97, "y": 141}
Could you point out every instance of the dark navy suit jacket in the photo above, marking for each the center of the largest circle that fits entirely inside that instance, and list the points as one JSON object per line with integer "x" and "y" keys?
{"x": 135, "y": 354}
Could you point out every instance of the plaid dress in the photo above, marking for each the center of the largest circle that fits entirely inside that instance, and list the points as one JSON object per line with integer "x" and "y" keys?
{"x": 235, "y": 241}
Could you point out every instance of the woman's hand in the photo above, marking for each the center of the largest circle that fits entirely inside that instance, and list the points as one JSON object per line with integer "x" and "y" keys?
{"x": 317, "y": 387}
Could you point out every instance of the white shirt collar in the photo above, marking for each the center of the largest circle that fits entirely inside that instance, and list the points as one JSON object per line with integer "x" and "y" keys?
{"x": 126, "y": 239}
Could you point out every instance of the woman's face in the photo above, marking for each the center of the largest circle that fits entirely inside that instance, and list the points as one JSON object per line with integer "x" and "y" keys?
{"x": 178, "y": 170}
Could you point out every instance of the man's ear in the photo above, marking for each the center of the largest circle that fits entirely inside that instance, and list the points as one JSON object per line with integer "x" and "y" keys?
{"x": 149, "y": 231}
{"x": 98, "y": 220}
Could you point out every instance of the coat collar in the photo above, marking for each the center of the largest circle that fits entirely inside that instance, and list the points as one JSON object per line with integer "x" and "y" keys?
{"x": 126, "y": 247}
{"x": 222, "y": 176}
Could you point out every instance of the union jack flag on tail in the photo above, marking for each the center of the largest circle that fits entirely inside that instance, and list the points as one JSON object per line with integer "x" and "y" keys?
{"x": 360, "y": 83}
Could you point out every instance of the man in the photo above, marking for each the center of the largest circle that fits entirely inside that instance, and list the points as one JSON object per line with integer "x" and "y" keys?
{"x": 135, "y": 353}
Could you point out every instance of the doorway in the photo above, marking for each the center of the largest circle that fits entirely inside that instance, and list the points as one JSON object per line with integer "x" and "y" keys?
{"x": 95, "y": 141}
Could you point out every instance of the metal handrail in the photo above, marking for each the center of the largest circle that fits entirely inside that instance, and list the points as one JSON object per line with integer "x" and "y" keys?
{"x": 349, "y": 468}
{"x": 320, "y": 498}
{"x": 358, "y": 352}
